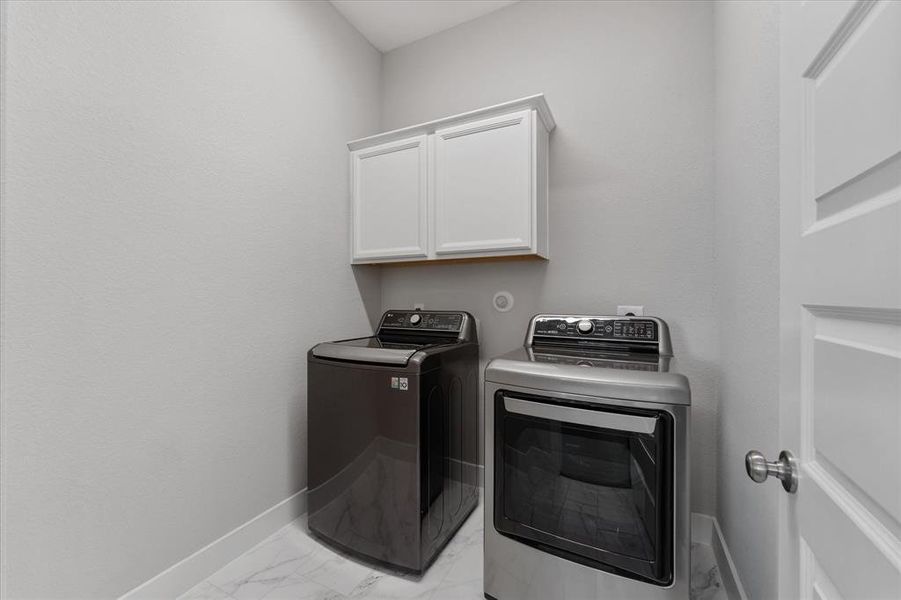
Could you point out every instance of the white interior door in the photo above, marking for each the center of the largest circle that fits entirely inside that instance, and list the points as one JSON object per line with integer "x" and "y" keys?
{"x": 840, "y": 408}
{"x": 484, "y": 185}
{"x": 389, "y": 204}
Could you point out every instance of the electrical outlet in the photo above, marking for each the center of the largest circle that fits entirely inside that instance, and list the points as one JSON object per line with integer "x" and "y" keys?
{"x": 626, "y": 309}
{"x": 418, "y": 306}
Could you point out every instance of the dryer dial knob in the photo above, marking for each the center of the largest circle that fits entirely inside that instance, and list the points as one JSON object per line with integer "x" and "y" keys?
{"x": 585, "y": 326}
{"x": 415, "y": 319}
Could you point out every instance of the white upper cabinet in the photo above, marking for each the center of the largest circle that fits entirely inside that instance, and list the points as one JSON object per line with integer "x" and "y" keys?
{"x": 483, "y": 185}
{"x": 389, "y": 191}
{"x": 469, "y": 186}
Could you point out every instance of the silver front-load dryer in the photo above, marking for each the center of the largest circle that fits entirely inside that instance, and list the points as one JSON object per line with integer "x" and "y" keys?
{"x": 586, "y": 463}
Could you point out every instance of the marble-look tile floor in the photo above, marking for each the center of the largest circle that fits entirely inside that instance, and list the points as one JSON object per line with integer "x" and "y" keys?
{"x": 706, "y": 583}
{"x": 292, "y": 565}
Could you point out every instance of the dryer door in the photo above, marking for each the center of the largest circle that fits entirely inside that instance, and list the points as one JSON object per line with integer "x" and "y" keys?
{"x": 589, "y": 482}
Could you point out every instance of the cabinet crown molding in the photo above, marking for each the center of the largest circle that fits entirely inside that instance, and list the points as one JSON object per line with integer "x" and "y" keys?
{"x": 536, "y": 102}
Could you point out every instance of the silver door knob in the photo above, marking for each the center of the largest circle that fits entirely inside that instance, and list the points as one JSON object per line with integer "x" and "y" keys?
{"x": 784, "y": 469}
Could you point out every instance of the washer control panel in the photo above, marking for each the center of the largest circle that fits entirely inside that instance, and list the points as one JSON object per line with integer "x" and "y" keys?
{"x": 420, "y": 319}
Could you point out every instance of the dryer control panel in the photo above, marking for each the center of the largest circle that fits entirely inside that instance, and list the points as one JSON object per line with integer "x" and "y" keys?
{"x": 593, "y": 327}
{"x": 586, "y": 330}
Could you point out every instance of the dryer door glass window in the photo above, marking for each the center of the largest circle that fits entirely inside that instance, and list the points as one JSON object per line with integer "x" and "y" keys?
{"x": 588, "y": 482}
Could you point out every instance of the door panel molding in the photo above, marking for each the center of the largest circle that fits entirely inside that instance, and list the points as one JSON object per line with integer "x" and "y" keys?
{"x": 847, "y": 512}
{"x": 850, "y": 132}
{"x": 875, "y": 188}
{"x": 815, "y": 584}
{"x": 839, "y": 37}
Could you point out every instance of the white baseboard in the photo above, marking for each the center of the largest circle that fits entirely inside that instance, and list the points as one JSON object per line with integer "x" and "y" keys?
{"x": 705, "y": 529}
{"x": 187, "y": 573}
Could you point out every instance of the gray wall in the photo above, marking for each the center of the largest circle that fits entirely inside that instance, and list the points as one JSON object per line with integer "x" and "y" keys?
{"x": 174, "y": 241}
{"x": 747, "y": 274}
{"x": 631, "y": 175}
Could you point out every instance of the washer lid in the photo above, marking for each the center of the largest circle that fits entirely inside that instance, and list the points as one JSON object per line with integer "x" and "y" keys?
{"x": 590, "y": 376}
{"x": 376, "y": 349}
{"x": 367, "y": 349}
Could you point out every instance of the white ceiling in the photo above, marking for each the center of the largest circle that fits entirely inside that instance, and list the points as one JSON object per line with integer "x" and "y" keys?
{"x": 388, "y": 24}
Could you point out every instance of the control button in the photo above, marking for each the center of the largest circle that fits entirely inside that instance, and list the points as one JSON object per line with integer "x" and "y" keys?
{"x": 586, "y": 326}
{"x": 415, "y": 319}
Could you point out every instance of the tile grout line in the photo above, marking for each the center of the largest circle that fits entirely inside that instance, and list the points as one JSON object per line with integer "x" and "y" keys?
{"x": 475, "y": 515}
{"x": 294, "y": 572}
{"x": 271, "y": 538}
{"x": 303, "y": 577}
{"x": 219, "y": 588}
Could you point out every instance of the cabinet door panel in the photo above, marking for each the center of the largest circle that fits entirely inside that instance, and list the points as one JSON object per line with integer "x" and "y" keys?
{"x": 484, "y": 185}
{"x": 389, "y": 200}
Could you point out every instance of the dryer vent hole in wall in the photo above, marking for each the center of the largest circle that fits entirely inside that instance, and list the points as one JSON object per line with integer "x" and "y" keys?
{"x": 502, "y": 301}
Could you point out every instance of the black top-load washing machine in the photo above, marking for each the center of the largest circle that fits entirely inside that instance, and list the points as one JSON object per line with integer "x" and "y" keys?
{"x": 393, "y": 437}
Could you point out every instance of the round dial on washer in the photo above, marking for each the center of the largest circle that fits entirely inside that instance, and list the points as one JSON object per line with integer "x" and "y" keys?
{"x": 585, "y": 326}
{"x": 415, "y": 319}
